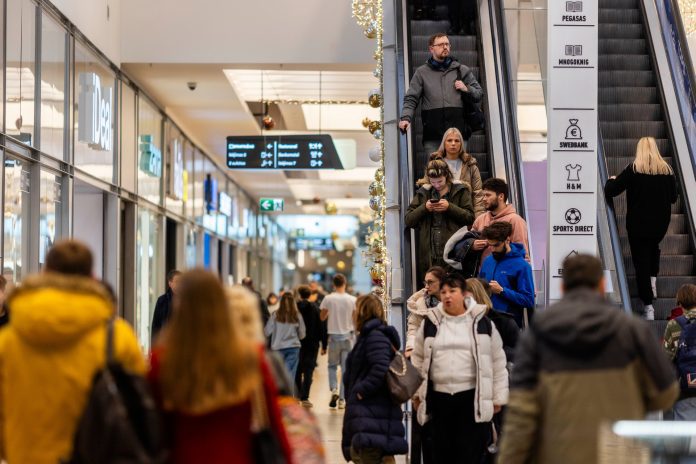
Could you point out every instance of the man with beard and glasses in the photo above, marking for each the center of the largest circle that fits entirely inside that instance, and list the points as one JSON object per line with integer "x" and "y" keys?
{"x": 495, "y": 195}
{"x": 508, "y": 274}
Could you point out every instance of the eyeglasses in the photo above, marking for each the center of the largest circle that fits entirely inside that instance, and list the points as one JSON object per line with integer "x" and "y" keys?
{"x": 444, "y": 44}
{"x": 429, "y": 282}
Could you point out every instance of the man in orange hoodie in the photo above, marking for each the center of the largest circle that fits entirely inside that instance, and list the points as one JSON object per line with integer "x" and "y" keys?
{"x": 495, "y": 195}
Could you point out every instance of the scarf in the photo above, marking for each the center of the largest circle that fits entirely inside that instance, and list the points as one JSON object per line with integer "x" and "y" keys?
{"x": 440, "y": 65}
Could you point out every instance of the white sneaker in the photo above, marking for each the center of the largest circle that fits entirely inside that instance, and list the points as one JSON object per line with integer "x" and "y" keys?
{"x": 649, "y": 313}
{"x": 341, "y": 404}
{"x": 653, "y": 284}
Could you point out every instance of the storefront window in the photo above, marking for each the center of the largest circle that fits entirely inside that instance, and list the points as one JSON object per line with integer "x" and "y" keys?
{"x": 21, "y": 69}
{"x": 190, "y": 247}
{"x": 148, "y": 272}
{"x": 50, "y": 215}
{"x": 95, "y": 94}
{"x": 149, "y": 151}
{"x": 128, "y": 138}
{"x": 16, "y": 219}
{"x": 175, "y": 169}
{"x": 53, "y": 50}
{"x": 198, "y": 186}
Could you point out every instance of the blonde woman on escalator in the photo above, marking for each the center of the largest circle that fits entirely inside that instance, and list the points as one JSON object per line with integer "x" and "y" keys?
{"x": 650, "y": 190}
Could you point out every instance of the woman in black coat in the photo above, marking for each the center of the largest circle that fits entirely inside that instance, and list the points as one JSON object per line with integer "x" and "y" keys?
{"x": 650, "y": 190}
{"x": 372, "y": 425}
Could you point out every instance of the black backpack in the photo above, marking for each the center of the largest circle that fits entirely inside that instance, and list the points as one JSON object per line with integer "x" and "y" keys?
{"x": 121, "y": 422}
{"x": 473, "y": 115}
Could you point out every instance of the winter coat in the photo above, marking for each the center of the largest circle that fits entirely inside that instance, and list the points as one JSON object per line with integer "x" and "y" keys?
{"x": 373, "y": 421}
{"x": 315, "y": 328}
{"x": 471, "y": 176}
{"x": 489, "y": 357}
{"x": 460, "y": 213}
{"x": 648, "y": 200}
{"x": 442, "y": 105}
{"x": 49, "y": 354}
{"x": 459, "y": 253}
{"x": 163, "y": 311}
{"x": 583, "y": 363}
{"x": 514, "y": 274}
{"x": 508, "y": 330}
{"x": 417, "y": 310}
{"x": 508, "y": 214}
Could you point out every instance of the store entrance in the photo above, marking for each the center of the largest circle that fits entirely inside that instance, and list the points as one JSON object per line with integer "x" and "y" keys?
{"x": 88, "y": 221}
{"x": 172, "y": 246}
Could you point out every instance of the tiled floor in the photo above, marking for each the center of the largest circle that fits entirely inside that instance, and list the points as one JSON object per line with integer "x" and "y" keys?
{"x": 330, "y": 421}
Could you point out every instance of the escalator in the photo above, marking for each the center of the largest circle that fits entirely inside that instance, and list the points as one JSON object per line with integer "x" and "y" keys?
{"x": 466, "y": 50}
{"x": 632, "y": 105}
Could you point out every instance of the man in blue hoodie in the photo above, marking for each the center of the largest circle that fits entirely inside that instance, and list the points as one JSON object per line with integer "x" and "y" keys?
{"x": 507, "y": 272}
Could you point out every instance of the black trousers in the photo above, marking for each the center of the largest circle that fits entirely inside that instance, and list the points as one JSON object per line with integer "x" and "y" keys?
{"x": 421, "y": 442}
{"x": 457, "y": 437}
{"x": 645, "y": 252}
{"x": 305, "y": 371}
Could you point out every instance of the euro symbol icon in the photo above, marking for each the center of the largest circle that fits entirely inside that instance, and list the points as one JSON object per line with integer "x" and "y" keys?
{"x": 573, "y": 131}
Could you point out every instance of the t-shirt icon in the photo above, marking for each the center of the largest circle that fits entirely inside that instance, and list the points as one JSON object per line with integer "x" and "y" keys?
{"x": 573, "y": 172}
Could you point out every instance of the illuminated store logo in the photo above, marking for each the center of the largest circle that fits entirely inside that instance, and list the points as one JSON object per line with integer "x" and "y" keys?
{"x": 95, "y": 124}
{"x": 150, "y": 157}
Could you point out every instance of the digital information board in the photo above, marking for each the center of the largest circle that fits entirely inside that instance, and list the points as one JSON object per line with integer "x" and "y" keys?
{"x": 285, "y": 152}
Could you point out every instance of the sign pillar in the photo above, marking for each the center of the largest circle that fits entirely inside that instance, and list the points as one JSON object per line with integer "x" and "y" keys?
{"x": 572, "y": 128}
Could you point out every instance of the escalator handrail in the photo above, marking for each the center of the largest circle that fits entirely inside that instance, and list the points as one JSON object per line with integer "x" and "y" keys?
{"x": 614, "y": 240}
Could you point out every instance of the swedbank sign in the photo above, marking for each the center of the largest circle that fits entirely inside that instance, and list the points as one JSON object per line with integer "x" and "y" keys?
{"x": 95, "y": 113}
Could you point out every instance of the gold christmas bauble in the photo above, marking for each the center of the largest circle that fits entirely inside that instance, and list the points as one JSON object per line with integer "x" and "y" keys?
{"x": 374, "y": 98}
{"x": 374, "y": 126}
{"x": 374, "y": 203}
{"x": 375, "y": 188}
{"x": 379, "y": 175}
{"x": 370, "y": 32}
{"x": 375, "y": 55}
{"x": 330, "y": 208}
{"x": 366, "y": 122}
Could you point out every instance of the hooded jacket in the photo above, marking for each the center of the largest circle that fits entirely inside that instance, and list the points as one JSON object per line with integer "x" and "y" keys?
{"x": 459, "y": 252}
{"x": 514, "y": 274}
{"x": 49, "y": 354}
{"x": 508, "y": 214}
{"x": 373, "y": 420}
{"x": 417, "y": 310}
{"x": 489, "y": 358}
{"x": 582, "y": 364}
{"x": 442, "y": 105}
{"x": 459, "y": 213}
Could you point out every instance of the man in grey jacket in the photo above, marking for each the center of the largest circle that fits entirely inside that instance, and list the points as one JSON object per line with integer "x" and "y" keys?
{"x": 446, "y": 90}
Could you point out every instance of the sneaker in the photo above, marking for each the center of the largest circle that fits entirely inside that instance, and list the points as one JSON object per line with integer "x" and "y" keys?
{"x": 341, "y": 404}
{"x": 334, "y": 399}
{"x": 649, "y": 313}
{"x": 306, "y": 404}
{"x": 653, "y": 285}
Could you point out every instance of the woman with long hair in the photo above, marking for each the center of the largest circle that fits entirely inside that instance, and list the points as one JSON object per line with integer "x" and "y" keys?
{"x": 373, "y": 431}
{"x": 206, "y": 373}
{"x": 438, "y": 209}
{"x": 462, "y": 165}
{"x": 650, "y": 191}
{"x": 286, "y": 328}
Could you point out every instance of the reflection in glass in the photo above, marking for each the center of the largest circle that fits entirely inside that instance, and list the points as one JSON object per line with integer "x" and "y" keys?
{"x": 16, "y": 224}
{"x": 190, "y": 248}
{"x": 50, "y": 213}
{"x": 147, "y": 287}
{"x": 149, "y": 151}
{"x": 95, "y": 86}
{"x": 20, "y": 69}
{"x": 53, "y": 49}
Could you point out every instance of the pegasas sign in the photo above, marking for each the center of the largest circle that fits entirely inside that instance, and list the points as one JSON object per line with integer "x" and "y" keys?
{"x": 95, "y": 124}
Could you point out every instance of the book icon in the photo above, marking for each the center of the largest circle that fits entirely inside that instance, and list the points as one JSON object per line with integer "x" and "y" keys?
{"x": 573, "y": 50}
{"x": 574, "y": 7}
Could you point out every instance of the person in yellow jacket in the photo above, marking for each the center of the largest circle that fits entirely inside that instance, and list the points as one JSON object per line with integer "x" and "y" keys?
{"x": 49, "y": 353}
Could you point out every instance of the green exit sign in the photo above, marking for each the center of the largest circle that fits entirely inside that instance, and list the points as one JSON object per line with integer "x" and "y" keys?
{"x": 271, "y": 204}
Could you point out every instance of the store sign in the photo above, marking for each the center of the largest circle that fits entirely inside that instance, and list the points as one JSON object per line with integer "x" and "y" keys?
{"x": 150, "y": 157}
{"x": 176, "y": 163}
{"x": 95, "y": 115}
{"x": 286, "y": 152}
{"x": 316, "y": 244}
{"x": 225, "y": 202}
{"x": 271, "y": 204}
{"x": 572, "y": 120}
{"x": 210, "y": 189}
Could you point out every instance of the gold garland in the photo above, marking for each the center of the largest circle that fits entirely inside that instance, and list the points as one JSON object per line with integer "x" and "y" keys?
{"x": 368, "y": 15}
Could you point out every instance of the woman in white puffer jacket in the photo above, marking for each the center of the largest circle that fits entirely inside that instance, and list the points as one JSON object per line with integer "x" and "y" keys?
{"x": 422, "y": 302}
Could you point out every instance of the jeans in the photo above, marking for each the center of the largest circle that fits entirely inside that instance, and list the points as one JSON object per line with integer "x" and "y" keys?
{"x": 685, "y": 410}
{"x": 291, "y": 356}
{"x": 305, "y": 371}
{"x": 339, "y": 347}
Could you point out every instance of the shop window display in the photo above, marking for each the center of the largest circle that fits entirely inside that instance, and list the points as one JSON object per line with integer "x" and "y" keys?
{"x": 16, "y": 220}
{"x": 50, "y": 214}
{"x": 149, "y": 273}
{"x": 150, "y": 151}
{"x": 53, "y": 104}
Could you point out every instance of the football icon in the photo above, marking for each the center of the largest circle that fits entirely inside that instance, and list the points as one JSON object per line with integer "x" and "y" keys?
{"x": 573, "y": 216}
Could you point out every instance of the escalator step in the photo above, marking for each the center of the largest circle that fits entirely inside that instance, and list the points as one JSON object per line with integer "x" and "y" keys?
{"x": 628, "y": 95}
{"x": 626, "y": 79}
{"x": 440, "y": 11}
{"x": 676, "y": 244}
{"x": 633, "y": 130}
{"x": 467, "y": 58}
{"x": 658, "y": 327}
{"x": 459, "y": 43}
{"x": 679, "y": 265}
{"x": 625, "y": 147}
{"x": 667, "y": 286}
{"x": 613, "y": 62}
{"x": 618, "y": 4}
{"x": 630, "y": 112}
{"x": 619, "y": 16}
{"x": 621, "y": 31}
{"x": 677, "y": 225}
{"x": 622, "y": 46}
{"x": 663, "y": 308}
{"x": 428, "y": 28}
